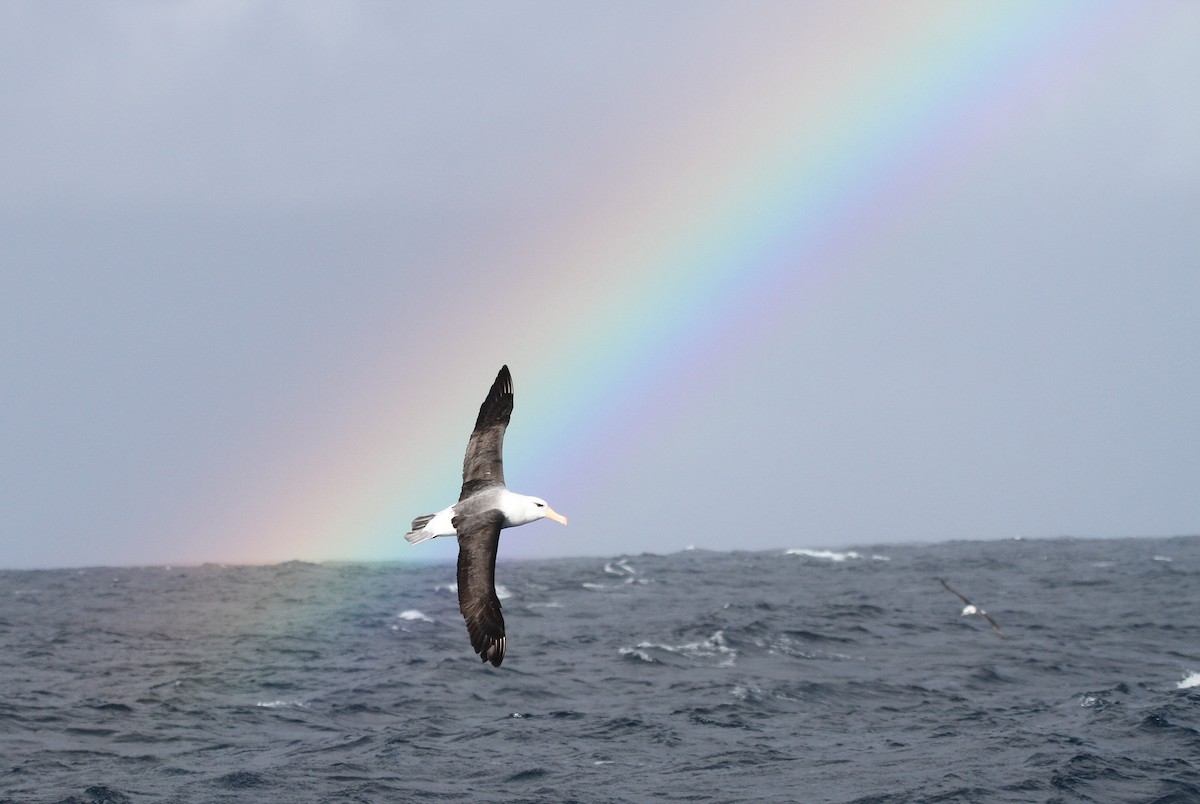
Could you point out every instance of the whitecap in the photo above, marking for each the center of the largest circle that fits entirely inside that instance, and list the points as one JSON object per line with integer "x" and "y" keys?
{"x": 749, "y": 694}
{"x": 829, "y": 554}
{"x": 501, "y": 592}
{"x": 413, "y": 614}
{"x": 281, "y": 705}
{"x": 1191, "y": 680}
{"x": 619, "y": 567}
{"x": 1163, "y": 558}
{"x": 715, "y": 645}
{"x": 641, "y": 654}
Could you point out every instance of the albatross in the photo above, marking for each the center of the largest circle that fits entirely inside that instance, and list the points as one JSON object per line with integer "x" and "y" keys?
{"x": 970, "y": 608}
{"x": 484, "y": 507}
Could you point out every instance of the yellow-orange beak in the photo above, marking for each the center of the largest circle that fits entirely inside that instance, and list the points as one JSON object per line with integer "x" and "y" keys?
{"x": 555, "y": 515}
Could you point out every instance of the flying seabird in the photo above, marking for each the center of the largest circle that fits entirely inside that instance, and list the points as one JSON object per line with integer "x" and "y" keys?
{"x": 970, "y": 608}
{"x": 484, "y": 507}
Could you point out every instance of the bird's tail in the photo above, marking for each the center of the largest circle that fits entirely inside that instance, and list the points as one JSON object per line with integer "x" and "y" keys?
{"x": 418, "y": 533}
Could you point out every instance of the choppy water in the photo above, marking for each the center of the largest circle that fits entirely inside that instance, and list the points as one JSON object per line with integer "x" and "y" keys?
{"x": 695, "y": 676}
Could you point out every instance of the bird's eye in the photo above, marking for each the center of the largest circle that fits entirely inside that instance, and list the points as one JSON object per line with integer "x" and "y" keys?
{"x": 540, "y": 505}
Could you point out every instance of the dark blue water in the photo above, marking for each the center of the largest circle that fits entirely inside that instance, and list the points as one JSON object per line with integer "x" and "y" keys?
{"x": 689, "y": 677}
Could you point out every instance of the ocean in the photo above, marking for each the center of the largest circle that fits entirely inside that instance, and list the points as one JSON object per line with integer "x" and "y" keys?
{"x": 787, "y": 675}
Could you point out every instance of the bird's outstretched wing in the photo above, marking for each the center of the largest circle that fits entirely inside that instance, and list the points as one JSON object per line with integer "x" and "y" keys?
{"x": 483, "y": 465}
{"x": 478, "y": 541}
{"x": 956, "y": 593}
{"x": 978, "y": 610}
{"x": 993, "y": 624}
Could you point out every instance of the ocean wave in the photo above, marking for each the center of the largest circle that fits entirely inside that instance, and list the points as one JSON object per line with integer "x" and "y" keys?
{"x": 838, "y": 678}
{"x": 413, "y": 615}
{"x": 833, "y": 555}
{"x": 714, "y": 646}
{"x": 619, "y": 567}
{"x": 280, "y": 704}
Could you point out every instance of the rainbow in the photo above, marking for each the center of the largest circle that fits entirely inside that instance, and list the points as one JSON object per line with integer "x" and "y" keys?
{"x": 743, "y": 217}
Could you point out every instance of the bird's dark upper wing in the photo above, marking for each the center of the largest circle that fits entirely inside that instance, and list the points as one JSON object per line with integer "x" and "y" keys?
{"x": 478, "y": 541}
{"x": 993, "y": 624}
{"x": 483, "y": 464}
{"x": 956, "y": 593}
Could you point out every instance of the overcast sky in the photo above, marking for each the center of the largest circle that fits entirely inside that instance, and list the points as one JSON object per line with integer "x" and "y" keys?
{"x": 767, "y": 274}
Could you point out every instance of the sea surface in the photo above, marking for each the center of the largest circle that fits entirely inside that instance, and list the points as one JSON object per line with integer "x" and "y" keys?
{"x": 797, "y": 675}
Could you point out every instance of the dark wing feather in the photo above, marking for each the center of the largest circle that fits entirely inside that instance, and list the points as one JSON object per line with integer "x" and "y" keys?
{"x": 993, "y": 624}
{"x": 483, "y": 465}
{"x": 478, "y": 541}
{"x": 956, "y": 593}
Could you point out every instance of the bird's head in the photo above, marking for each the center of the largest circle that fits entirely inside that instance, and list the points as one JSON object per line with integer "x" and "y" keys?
{"x": 521, "y": 509}
{"x": 541, "y": 510}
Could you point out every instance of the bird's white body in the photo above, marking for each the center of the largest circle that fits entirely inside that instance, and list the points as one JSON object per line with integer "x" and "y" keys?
{"x": 518, "y": 509}
{"x": 440, "y": 525}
